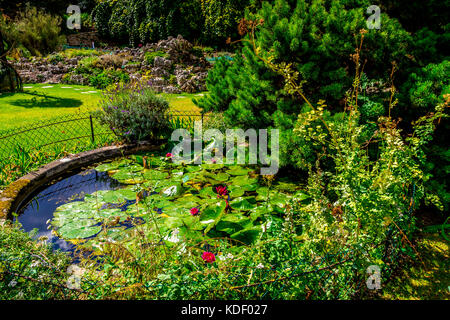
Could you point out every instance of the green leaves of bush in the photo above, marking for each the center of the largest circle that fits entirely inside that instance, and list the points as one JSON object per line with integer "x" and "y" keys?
{"x": 135, "y": 113}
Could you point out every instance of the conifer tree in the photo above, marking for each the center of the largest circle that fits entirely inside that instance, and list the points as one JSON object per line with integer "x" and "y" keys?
{"x": 318, "y": 37}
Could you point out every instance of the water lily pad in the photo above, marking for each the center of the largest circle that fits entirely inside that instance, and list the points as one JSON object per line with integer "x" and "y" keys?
{"x": 212, "y": 214}
{"x": 301, "y": 196}
{"x": 173, "y": 190}
{"x": 243, "y": 203}
{"x": 77, "y": 231}
{"x": 212, "y": 166}
{"x": 279, "y": 199}
{"x": 236, "y": 191}
{"x": 238, "y": 171}
{"x": 107, "y": 167}
{"x": 118, "y": 196}
{"x": 221, "y": 177}
{"x": 247, "y": 236}
{"x": 152, "y": 174}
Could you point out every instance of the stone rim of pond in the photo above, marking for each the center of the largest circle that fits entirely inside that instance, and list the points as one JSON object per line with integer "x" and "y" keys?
{"x": 19, "y": 192}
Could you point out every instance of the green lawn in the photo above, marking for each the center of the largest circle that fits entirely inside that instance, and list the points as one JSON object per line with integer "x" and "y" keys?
{"x": 43, "y": 101}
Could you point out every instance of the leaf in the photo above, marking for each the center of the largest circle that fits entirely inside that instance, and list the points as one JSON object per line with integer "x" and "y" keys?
{"x": 119, "y": 196}
{"x": 238, "y": 171}
{"x": 278, "y": 199}
{"x": 247, "y": 236}
{"x": 221, "y": 177}
{"x": 212, "y": 166}
{"x": 107, "y": 167}
{"x": 152, "y": 174}
{"x": 243, "y": 203}
{"x": 75, "y": 231}
{"x": 236, "y": 191}
{"x": 301, "y": 196}
{"x": 258, "y": 212}
{"x": 212, "y": 214}
{"x": 173, "y": 190}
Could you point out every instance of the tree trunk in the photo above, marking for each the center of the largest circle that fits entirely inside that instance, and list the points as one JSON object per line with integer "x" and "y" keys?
{"x": 10, "y": 80}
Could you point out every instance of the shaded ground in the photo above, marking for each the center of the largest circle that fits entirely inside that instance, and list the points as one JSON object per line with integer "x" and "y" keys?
{"x": 429, "y": 280}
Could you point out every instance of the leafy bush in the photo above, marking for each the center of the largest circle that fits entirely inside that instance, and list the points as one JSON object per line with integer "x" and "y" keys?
{"x": 360, "y": 200}
{"x": 88, "y": 62}
{"x": 428, "y": 86}
{"x": 148, "y": 21}
{"x": 151, "y": 55}
{"x": 31, "y": 269}
{"x": 38, "y": 31}
{"x": 72, "y": 53}
{"x": 221, "y": 19}
{"x": 107, "y": 77}
{"x": 135, "y": 113}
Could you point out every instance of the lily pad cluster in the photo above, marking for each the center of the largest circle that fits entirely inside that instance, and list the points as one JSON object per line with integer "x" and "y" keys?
{"x": 227, "y": 201}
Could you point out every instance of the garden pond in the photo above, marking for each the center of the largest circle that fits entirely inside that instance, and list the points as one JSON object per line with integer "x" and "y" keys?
{"x": 177, "y": 201}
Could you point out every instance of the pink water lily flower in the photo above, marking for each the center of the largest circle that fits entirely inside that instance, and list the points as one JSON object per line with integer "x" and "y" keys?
{"x": 194, "y": 211}
{"x": 169, "y": 155}
{"x": 208, "y": 257}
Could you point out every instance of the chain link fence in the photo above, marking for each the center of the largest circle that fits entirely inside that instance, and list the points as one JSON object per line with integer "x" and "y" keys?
{"x": 71, "y": 130}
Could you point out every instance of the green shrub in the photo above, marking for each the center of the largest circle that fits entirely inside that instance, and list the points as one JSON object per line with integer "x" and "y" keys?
{"x": 107, "y": 77}
{"x": 39, "y": 31}
{"x": 221, "y": 19}
{"x": 88, "y": 62}
{"x": 361, "y": 201}
{"x": 72, "y": 53}
{"x": 135, "y": 113}
{"x": 427, "y": 87}
{"x": 31, "y": 269}
{"x": 140, "y": 21}
{"x": 143, "y": 21}
{"x": 55, "y": 58}
{"x": 151, "y": 55}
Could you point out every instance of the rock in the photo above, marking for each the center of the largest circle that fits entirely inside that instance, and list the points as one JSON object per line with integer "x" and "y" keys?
{"x": 186, "y": 71}
{"x": 163, "y": 63}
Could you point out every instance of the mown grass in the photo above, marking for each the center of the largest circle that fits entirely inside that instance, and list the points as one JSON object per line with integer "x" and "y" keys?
{"x": 182, "y": 102}
{"x": 41, "y": 103}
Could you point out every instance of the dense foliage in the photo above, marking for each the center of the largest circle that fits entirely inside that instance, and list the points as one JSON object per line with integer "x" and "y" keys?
{"x": 134, "y": 22}
{"x": 22, "y": 259}
{"x": 319, "y": 38}
{"x": 135, "y": 113}
{"x": 35, "y": 30}
{"x": 319, "y": 56}
{"x": 363, "y": 117}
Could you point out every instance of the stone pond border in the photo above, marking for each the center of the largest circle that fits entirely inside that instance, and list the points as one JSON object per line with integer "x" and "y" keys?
{"x": 17, "y": 192}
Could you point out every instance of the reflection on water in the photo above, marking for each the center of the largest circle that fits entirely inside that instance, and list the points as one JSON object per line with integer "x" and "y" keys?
{"x": 40, "y": 209}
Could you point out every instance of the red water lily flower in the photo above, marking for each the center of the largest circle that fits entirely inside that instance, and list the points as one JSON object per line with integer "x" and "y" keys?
{"x": 194, "y": 211}
{"x": 208, "y": 257}
{"x": 169, "y": 155}
{"x": 221, "y": 191}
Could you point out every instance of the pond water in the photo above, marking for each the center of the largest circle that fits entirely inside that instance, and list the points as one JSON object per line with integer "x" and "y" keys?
{"x": 169, "y": 202}
{"x": 40, "y": 209}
